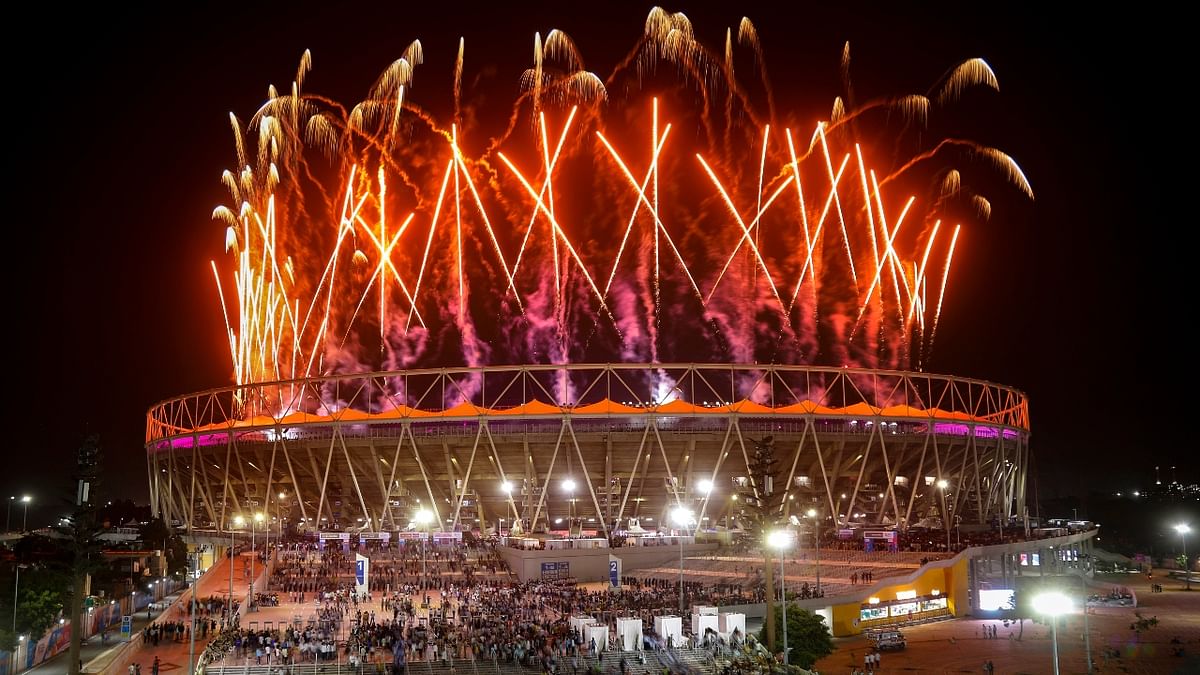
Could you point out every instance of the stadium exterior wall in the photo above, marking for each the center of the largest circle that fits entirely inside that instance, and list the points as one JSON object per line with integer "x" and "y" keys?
{"x": 363, "y": 452}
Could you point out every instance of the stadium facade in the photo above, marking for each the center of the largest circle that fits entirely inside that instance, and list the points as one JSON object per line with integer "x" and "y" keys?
{"x": 596, "y": 446}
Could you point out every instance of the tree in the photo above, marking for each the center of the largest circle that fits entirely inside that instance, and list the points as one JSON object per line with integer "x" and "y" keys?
{"x": 760, "y": 510}
{"x": 40, "y": 603}
{"x": 82, "y": 530}
{"x": 808, "y": 637}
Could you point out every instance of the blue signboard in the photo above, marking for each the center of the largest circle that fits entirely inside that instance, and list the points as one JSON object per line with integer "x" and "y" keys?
{"x": 613, "y": 574}
{"x": 360, "y": 571}
{"x": 556, "y": 570}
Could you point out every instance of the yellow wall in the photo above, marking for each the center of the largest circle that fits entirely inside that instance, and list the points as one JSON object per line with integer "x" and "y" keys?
{"x": 950, "y": 581}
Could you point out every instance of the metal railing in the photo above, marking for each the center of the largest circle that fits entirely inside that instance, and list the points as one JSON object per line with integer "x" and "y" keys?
{"x": 622, "y": 393}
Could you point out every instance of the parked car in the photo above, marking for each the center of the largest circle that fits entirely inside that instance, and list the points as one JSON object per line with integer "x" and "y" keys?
{"x": 888, "y": 640}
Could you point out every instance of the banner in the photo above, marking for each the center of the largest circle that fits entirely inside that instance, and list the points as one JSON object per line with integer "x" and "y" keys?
{"x": 362, "y": 568}
{"x": 614, "y": 571}
{"x": 56, "y": 641}
{"x": 102, "y": 617}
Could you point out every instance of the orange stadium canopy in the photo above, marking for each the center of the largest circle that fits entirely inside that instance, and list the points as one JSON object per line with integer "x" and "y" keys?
{"x": 604, "y": 408}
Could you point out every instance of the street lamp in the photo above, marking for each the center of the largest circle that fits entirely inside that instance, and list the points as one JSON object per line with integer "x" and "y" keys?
{"x": 25, "y": 517}
{"x": 780, "y": 540}
{"x": 192, "y": 583}
{"x": 238, "y": 521}
{"x": 1183, "y": 529}
{"x": 423, "y": 518}
{"x": 16, "y": 590}
{"x": 568, "y": 486}
{"x": 942, "y": 485}
{"x": 1052, "y": 604}
{"x": 812, "y": 513}
{"x": 258, "y": 518}
{"x": 681, "y": 516}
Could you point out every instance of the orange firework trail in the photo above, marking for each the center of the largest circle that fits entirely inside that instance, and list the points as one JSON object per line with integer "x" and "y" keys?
{"x": 379, "y": 234}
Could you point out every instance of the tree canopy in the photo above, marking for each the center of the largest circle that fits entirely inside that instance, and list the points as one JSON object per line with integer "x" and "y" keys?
{"x": 808, "y": 637}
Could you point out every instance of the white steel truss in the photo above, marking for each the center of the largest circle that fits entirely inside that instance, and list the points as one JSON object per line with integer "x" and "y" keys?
{"x": 364, "y": 451}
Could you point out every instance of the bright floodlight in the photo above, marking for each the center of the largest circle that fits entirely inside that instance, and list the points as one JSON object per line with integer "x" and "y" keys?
{"x": 283, "y": 495}
{"x": 1052, "y": 603}
{"x": 705, "y": 486}
{"x": 811, "y": 513}
{"x": 423, "y": 517}
{"x": 779, "y": 539}
{"x": 569, "y": 485}
{"x": 239, "y": 521}
{"x": 943, "y": 483}
{"x": 682, "y": 516}
{"x": 258, "y": 517}
{"x": 507, "y": 487}
{"x": 1183, "y": 528}
{"x": 26, "y": 499}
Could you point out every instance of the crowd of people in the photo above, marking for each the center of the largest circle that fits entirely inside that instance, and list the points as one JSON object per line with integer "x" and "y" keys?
{"x": 210, "y": 617}
{"x": 482, "y": 611}
{"x": 694, "y": 591}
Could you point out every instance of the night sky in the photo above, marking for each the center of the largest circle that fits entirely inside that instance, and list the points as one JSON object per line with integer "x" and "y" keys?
{"x": 118, "y": 134}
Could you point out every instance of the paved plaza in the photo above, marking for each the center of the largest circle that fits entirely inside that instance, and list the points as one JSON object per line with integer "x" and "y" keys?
{"x": 954, "y": 646}
{"x": 958, "y": 646}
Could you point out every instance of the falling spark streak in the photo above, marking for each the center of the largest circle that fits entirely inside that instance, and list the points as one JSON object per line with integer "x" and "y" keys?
{"x": 345, "y": 227}
{"x": 762, "y": 208}
{"x": 642, "y": 199}
{"x": 808, "y": 261}
{"x": 895, "y": 256}
{"x": 837, "y": 202}
{"x": 437, "y": 210}
{"x": 654, "y": 170}
{"x": 808, "y": 240}
{"x": 553, "y": 162}
{"x": 487, "y": 224}
{"x": 862, "y": 172}
{"x": 385, "y": 260}
{"x": 383, "y": 255}
{"x": 548, "y": 189}
{"x": 919, "y": 276}
{"x": 745, "y": 231}
{"x": 890, "y": 250}
{"x": 762, "y": 169}
{"x": 942, "y": 291}
{"x": 888, "y": 238}
{"x": 558, "y": 230}
{"x": 462, "y": 293}
{"x": 228, "y": 328}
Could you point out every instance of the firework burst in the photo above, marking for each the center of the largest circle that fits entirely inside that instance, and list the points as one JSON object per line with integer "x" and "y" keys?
{"x": 590, "y": 227}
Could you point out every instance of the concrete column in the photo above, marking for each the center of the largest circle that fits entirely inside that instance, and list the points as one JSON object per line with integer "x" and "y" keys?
{"x": 977, "y": 564}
